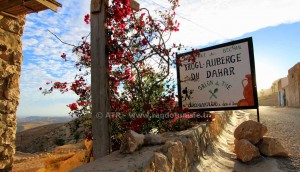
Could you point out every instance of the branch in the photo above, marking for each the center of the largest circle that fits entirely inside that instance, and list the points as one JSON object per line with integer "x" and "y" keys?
{"x": 60, "y": 39}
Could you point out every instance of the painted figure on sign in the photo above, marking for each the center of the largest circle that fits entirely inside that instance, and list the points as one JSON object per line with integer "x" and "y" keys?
{"x": 187, "y": 93}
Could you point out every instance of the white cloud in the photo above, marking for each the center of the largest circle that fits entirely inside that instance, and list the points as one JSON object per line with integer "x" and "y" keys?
{"x": 42, "y": 62}
{"x": 214, "y": 20}
{"x": 29, "y": 43}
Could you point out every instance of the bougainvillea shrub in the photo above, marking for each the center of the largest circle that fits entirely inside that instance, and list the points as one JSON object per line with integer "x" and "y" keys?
{"x": 142, "y": 88}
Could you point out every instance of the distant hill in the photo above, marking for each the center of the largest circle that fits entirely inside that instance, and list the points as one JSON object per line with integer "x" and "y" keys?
{"x": 46, "y": 137}
{"x": 25, "y": 123}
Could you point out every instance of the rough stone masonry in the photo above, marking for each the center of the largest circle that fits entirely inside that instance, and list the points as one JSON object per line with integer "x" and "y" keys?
{"x": 11, "y": 31}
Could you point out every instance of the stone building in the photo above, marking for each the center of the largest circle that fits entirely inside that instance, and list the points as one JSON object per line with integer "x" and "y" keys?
{"x": 12, "y": 22}
{"x": 282, "y": 91}
{"x": 293, "y": 88}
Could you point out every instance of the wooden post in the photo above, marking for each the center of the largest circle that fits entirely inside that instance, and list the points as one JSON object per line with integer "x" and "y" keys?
{"x": 134, "y": 5}
{"x": 99, "y": 77}
{"x": 257, "y": 111}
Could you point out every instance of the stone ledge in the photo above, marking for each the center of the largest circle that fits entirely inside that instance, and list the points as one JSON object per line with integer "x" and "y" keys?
{"x": 13, "y": 26}
{"x": 182, "y": 151}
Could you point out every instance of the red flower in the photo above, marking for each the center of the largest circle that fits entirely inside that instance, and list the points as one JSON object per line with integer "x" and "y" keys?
{"x": 73, "y": 106}
{"x": 144, "y": 42}
{"x": 127, "y": 71}
{"x": 82, "y": 103}
{"x": 40, "y": 88}
{"x": 87, "y": 19}
{"x": 175, "y": 119}
{"x": 63, "y": 56}
{"x": 56, "y": 85}
{"x": 187, "y": 116}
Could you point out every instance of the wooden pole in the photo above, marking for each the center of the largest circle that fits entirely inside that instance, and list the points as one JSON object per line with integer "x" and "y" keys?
{"x": 134, "y": 5}
{"x": 99, "y": 80}
{"x": 257, "y": 111}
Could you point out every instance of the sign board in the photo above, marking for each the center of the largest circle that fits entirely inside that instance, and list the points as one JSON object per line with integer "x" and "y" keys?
{"x": 221, "y": 77}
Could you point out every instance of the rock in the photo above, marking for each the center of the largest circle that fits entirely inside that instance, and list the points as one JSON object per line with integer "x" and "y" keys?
{"x": 88, "y": 144}
{"x": 250, "y": 130}
{"x": 10, "y": 135}
{"x": 2, "y": 127}
{"x": 160, "y": 163}
{"x": 14, "y": 81}
{"x": 154, "y": 139}
{"x": 272, "y": 147}
{"x": 12, "y": 94}
{"x": 131, "y": 142}
{"x": 246, "y": 151}
{"x": 175, "y": 152}
{"x": 89, "y": 151}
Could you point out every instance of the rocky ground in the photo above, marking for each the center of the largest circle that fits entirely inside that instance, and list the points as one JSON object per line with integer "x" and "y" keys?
{"x": 36, "y": 145}
{"x": 220, "y": 156}
{"x": 284, "y": 124}
{"x": 25, "y": 162}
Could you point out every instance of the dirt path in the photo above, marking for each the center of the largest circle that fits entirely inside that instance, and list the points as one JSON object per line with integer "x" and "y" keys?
{"x": 284, "y": 124}
{"x": 220, "y": 156}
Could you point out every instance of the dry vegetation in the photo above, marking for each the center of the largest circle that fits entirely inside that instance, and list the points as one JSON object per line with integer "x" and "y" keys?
{"x": 63, "y": 163}
{"x": 27, "y": 137}
{"x": 62, "y": 159}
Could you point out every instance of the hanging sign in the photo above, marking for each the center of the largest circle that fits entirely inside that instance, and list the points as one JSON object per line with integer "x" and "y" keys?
{"x": 221, "y": 77}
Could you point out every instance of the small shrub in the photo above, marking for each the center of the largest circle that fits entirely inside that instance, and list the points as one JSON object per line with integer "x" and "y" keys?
{"x": 77, "y": 136}
{"x": 59, "y": 142}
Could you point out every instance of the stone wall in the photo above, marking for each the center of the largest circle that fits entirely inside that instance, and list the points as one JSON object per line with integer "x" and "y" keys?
{"x": 293, "y": 89}
{"x": 11, "y": 31}
{"x": 182, "y": 152}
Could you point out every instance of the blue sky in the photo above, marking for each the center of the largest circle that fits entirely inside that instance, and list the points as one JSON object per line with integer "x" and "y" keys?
{"x": 273, "y": 24}
{"x": 276, "y": 49}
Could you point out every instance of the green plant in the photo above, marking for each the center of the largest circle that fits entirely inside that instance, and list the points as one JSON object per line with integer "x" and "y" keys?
{"x": 76, "y": 136}
{"x": 59, "y": 142}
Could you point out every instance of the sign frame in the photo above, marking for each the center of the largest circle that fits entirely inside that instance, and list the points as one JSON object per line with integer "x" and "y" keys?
{"x": 252, "y": 70}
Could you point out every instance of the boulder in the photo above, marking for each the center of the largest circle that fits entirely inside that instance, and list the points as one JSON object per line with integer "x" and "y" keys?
{"x": 89, "y": 151}
{"x": 246, "y": 151}
{"x": 250, "y": 130}
{"x": 88, "y": 144}
{"x": 154, "y": 139}
{"x": 131, "y": 142}
{"x": 175, "y": 151}
{"x": 272, "y": 147}
{"x": 160, "y": 163}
